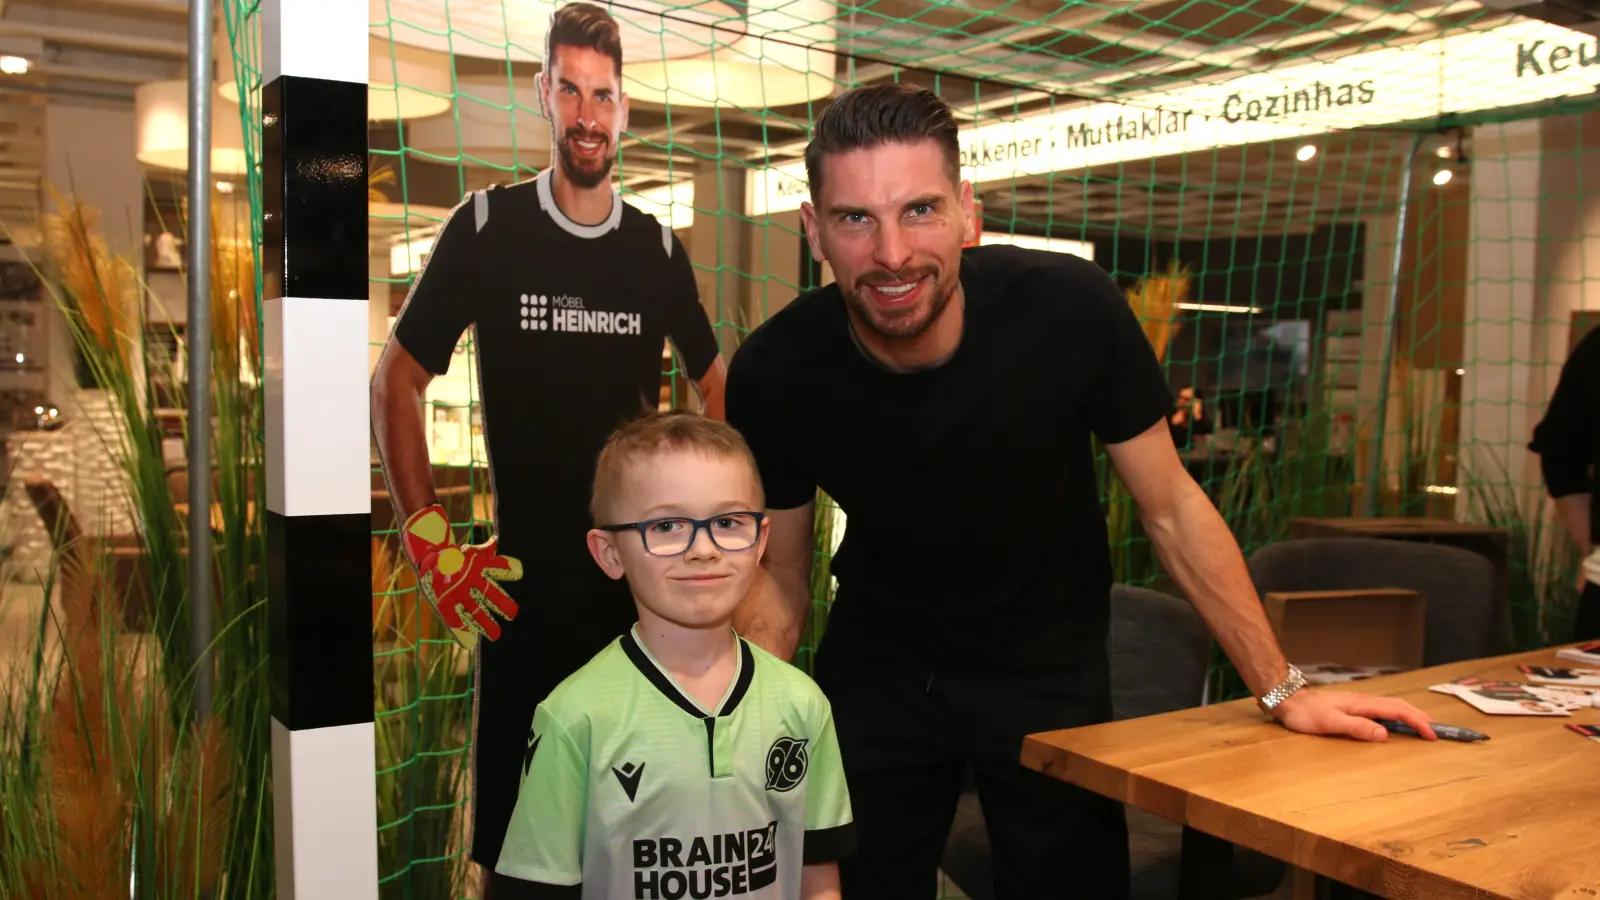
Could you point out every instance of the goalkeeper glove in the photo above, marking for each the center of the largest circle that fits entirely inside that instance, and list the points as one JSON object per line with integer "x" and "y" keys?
{"x": 461, "y": 583}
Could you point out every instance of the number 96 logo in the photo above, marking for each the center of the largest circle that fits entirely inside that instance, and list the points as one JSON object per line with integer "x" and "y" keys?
{"x": 786, "y": 764}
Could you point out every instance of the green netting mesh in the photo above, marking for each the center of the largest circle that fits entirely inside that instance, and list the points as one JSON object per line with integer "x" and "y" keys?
{"x": 1238, "y": 166}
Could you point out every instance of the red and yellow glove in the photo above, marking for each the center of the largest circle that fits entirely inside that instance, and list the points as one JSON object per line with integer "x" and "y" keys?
{"x": 460, "y": 582}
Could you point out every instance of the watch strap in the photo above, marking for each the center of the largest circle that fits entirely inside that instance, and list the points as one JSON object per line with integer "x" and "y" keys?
{"x": 1285, "y": 689}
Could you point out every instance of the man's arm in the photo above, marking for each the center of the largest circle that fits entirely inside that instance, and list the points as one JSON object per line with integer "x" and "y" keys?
{"x": 1561, "y": 438}
{"x": 1199, "y": 552}
{"x": 398, "y": 388}
{"x": 691, "y": 332}
{"x": 439, "y": 308}
{"x": 774, "y": 613}
{"x": 1205, "y": 561}
{"x": 712, "y": 387}
{"x": 820, "y": 882}
{"x": 1576, "y": 511}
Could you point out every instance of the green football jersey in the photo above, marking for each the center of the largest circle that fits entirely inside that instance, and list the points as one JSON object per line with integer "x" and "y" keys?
{"x": 631, "y": 790}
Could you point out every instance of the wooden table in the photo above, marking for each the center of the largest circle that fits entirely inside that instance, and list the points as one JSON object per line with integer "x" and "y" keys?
{"x": 1517, "y": 816}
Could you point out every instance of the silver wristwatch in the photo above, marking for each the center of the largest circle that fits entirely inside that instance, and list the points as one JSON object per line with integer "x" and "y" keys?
{"x": 1292, "y": 682}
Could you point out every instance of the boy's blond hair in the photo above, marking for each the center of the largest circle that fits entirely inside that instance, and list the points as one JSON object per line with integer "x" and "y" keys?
{"x": 658, "y": 432}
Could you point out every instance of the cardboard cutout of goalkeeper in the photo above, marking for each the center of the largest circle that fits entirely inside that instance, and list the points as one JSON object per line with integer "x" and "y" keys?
{"x": 569, "y": 293}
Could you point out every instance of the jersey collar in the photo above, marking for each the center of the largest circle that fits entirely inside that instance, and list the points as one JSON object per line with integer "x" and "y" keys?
{"x": 652, "y": 671}
{"x": 547, "y": 202}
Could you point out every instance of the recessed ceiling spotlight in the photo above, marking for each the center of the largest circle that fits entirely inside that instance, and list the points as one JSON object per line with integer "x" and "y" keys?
{"x": 1306, "y": 151}
{"x": 1442, "y": 177}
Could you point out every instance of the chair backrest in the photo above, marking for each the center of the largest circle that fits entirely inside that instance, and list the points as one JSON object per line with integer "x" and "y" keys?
{"x": 1159, "y": 650}
{"x": 54, "y": 511}
{"x": 1457, "y": 585}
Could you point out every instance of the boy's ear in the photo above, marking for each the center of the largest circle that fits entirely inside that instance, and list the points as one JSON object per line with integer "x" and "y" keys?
{"x": 602, "y": 546}
{"x": 761, "y": 542}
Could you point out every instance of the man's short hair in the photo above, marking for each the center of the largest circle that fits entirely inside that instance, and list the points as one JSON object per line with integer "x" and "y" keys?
{"x": 583, "y": 25}
{"x": 663, "y": 432}
{"x": 866, "y": 117}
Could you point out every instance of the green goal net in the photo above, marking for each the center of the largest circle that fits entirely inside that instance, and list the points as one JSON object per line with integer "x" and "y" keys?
{"x": 1356, "y": 233}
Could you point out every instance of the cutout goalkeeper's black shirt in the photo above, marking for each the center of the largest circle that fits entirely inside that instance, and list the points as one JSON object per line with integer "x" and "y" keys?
{"x": 568, "y": 322}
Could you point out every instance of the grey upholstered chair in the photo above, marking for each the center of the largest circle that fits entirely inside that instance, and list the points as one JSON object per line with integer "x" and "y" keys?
{"x": 1457, "y": 585}
{"x": 1160, "y": 652}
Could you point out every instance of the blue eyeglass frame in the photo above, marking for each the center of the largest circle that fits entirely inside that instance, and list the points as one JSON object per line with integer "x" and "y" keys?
{"x": 693, "y": 535}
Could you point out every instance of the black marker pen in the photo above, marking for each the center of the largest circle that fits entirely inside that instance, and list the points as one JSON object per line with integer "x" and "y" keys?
{"x": 1445, "y": 732}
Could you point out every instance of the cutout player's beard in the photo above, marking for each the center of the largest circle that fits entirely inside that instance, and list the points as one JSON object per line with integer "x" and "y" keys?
{"x": 585, "y": 173}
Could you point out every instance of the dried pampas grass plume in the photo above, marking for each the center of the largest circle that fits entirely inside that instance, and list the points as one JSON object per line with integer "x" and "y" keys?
{"x": 1155, "y": 301}
{"x": 103, "y": 286}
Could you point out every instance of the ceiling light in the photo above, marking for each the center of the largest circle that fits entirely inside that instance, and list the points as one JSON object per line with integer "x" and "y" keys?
{"x": 224, "y": 187}
{"x": 1443, "y": 152}
{"x": 161, "y": 113}
{"x": 1306, "y": 152}
{"x": 403, "y": 82}
{"x": 1442, "y": 177}
{"x": 1220, "y": 307}
{"x": 13, "y": 65}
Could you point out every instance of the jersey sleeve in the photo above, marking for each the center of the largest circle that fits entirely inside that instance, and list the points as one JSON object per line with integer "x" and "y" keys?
{"x": 443, "y": 298}
{"x": 1563, "y": 438}
{"x": 752, "y": 408}
{"x": 1129, "y": 392}
{"x": 830, "y": 825}
{"x": 687, "y": 322}
{"x": 544, "y": 840}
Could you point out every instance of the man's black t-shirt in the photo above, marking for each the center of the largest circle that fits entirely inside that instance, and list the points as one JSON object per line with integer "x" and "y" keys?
{"x": 974, "y": 534}
{"x": 568, "y": 322}
{"x": 1567, "y": 439}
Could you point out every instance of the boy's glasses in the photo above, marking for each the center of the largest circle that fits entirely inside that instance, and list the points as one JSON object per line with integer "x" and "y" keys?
{"x": 674, "y": 535}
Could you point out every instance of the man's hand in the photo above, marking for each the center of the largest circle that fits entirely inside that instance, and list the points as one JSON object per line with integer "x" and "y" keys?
{"x": 460, "y": 582}
{"x": 1310, "y": 711}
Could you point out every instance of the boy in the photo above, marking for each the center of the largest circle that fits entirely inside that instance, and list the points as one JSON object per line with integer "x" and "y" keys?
{"x": 681, "y": 761}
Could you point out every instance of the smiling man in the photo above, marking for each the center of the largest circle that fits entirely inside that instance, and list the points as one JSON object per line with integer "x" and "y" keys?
{"x": 946, "y": 399}
{"x": 569, "y": 293}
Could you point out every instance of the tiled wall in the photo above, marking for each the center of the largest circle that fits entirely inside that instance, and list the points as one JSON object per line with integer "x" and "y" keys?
{"x": 78, "y": 458}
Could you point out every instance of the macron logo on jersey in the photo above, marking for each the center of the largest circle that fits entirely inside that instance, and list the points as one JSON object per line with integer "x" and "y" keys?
{"x": 564, "y": 312}
{"x": 722, "y": 865}
{"x": 628, "y": 776}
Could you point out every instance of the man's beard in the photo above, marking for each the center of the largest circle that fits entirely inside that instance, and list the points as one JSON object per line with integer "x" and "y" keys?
{"x": 571, "y": 167}
{"x": 906, "y": 324}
